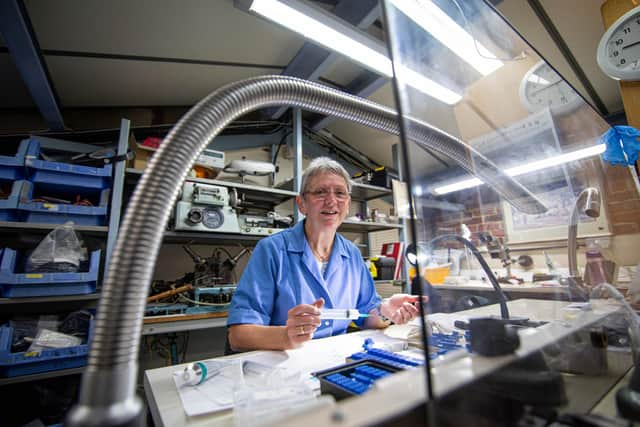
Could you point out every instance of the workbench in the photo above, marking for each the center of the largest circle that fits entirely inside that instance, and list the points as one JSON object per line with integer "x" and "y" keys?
{"x": 585, "y": 392}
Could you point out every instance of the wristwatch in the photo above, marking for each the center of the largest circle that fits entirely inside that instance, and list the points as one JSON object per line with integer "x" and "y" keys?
{"x": 379, "y": 311}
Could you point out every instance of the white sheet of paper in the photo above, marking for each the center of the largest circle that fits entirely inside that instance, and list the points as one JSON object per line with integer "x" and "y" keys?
{"x": 211, "y": 396}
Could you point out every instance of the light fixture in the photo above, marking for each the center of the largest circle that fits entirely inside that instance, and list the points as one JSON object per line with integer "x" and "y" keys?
{"x": 333, "y": 34}
{"x": 437, "y": 23}
{"x": 526, "y": 168}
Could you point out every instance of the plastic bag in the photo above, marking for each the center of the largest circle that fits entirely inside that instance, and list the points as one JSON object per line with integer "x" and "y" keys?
{"x": 60, "y": 251}
{"x": 47, "y": 339}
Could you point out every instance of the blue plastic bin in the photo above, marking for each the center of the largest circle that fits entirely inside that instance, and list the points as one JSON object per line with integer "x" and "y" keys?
{"x": 13, "y": 167}
{"x": 9, "y": 207}
{"x": 65, "y": 177}
{"x": 27, "y": 363}
{"x": 18, "y": 285}
{"x": 58, "y": 213}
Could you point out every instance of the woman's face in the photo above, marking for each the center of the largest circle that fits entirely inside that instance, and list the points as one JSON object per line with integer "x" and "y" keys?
{"x": 325, "y": 201}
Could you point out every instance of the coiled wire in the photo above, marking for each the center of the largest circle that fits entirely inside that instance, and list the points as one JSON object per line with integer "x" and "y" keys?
{"x": 114, "y": 348}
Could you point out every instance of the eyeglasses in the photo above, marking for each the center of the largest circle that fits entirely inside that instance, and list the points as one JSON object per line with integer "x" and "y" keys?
{"x": 323, "y": 194}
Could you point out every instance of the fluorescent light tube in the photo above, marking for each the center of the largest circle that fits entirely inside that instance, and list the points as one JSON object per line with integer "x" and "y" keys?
{"x": 308, "y": 26}
{"x": 338, "y": 37}
{"x": 526, "y": 168}
{"x": 437, "y": 23}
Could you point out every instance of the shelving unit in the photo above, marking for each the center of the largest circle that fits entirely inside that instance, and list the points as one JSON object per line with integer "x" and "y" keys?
{"x": 262, "y": 196}
{"x": 102, "y": 236}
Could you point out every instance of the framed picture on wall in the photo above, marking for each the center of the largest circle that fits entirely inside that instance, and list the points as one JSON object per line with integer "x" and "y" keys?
{"x": 535, "y": 138}
{"x": 553, "y": 224}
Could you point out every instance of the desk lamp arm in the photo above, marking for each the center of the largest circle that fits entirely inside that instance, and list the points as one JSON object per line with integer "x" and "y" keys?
{"x": 502, "y": 298}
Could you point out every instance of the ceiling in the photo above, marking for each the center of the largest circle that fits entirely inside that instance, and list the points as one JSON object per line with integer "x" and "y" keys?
{"x": 171, "y": 53}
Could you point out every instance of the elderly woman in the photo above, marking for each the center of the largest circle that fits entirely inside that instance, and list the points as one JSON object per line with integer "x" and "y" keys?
{"x": 292, "y": 275}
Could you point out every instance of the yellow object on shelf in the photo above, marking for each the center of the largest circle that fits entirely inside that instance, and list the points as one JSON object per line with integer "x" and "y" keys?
{"x": 435, "y": 275}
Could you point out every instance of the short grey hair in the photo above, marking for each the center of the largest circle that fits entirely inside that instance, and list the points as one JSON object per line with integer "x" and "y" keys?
{"x": 321, "y": 165}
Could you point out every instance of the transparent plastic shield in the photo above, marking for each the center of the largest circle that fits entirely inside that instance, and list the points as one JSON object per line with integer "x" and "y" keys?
{"x": 516, "y": 218}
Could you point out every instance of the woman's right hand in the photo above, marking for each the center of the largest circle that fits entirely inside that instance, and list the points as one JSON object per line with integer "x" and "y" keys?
{"x": 302, "y": 322}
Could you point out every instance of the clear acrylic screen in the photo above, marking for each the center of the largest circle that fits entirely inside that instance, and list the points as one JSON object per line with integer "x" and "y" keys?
{"x": 501, "y": 150}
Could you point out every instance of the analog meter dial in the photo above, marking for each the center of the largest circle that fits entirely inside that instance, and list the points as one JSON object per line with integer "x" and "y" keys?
{"x": 542, "y": 88}
{"x": 212, "y": 218}
{"x": 619, "y": 48}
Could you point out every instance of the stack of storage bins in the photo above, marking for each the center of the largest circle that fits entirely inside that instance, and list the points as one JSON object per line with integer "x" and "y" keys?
{"x": 13, "y": 364}
{"x": 53, "y": 180}
{"x": 12, "y": 174}
{"x": 35, "y": 185}
{"x": 16, "y": 284}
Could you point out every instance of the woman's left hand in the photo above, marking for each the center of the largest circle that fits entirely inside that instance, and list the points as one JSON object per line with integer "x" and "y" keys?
{"x": 400, "y": 308}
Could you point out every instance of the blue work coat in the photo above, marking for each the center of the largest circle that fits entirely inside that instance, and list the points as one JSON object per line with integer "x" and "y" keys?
{"x": 283, "y": 273}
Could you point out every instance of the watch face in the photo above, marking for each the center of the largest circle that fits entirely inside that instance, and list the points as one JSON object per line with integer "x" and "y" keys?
{"x": 619, "y": 48}
{"x": 543, "y": 88}
{"x": 212, "y": 218}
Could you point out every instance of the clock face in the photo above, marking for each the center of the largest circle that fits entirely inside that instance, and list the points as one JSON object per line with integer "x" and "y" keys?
{"x": 619, "y": 48}
{"x": 543, "y": 88}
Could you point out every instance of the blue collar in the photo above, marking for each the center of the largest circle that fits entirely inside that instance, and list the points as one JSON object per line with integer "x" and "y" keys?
{"x": 296, "y": 241}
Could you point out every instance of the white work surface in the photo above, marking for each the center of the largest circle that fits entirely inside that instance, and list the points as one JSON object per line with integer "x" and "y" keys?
{"x": 166, "y": 408}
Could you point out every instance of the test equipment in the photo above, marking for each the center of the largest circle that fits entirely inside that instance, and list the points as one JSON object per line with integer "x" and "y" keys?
{"x": 206, "y": 207}
{"x": 263, "y": 225}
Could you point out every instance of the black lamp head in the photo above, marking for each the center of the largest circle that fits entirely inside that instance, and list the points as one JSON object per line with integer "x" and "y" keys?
{"x": 411, "y": 254}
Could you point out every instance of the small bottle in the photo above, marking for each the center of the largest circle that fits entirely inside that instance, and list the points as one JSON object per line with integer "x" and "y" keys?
{"x": 594, "y": 271}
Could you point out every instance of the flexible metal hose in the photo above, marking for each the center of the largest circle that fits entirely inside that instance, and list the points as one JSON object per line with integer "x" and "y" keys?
{"x": 588, "y": 203}
{"x": 108, "y": 388}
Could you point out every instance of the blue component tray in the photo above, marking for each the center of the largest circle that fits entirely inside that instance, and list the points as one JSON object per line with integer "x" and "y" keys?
{"x": 18, "y": 285}
{"x": 387, "y": 357}
{"x": 13, "y": 167}
{"x": 65, "y": 177}
{"x": 27, "y": 363}
{"x": 58, "y": 213}
{"x": 9, "y": 207}
{"x": 353, "y": 378}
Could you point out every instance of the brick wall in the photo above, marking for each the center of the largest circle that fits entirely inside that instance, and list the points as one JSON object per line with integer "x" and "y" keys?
{"x": 481, "y": 212}
{"x": 622, "y": 201}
